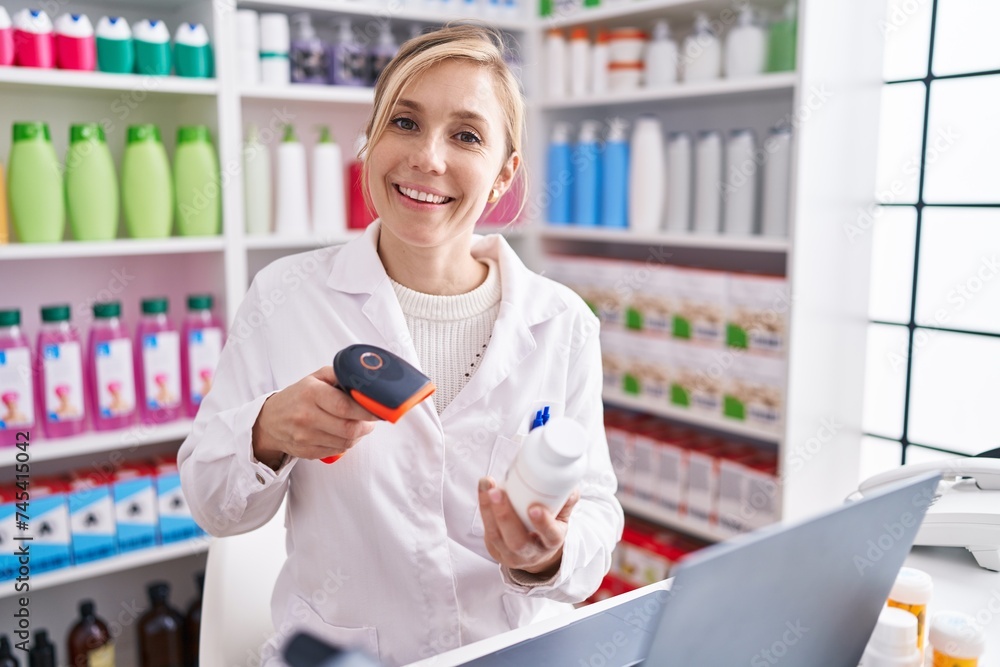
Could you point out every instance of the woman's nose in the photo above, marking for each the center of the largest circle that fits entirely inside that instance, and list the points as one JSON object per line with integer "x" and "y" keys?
{"x": 428, "y": 155}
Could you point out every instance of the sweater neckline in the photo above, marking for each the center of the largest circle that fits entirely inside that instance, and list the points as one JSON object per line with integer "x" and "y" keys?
{"x": 452, "y": 307}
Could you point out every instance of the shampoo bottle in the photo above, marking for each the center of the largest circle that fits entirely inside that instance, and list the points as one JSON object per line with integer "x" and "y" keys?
{"x": 579, "y": 50}
{"x": 746, "y": 47}
{"x": 614, "y": 187}
{"x": 161, "y": 631}
{"x": 60, "y": 362}
{"x": 292, "y": 217}
{"x": 559, "y": 177}
{"x": 197, "y": 189}
{"x": 257, "y": 185}
{"x": 152, "y": 48}
{"x": 17, "y": 393}
{"x": 34, "y": 42}
{"x": 549, "y": 465}
{"x": 600, "y": 56}
{"x": 740, "y": 188}
{"x": 35, "y": 186}
{"x": 678, "y": 182}
{"x": 707, "y": 176}
{"x": 556, "y": 75}
{"x": 275, "y": 43}
{"x": 89, "y": 642}
{"x": 91, "y": 185}
{"x": 781, "y": 41}
{"x": 702, "y": 52}
{"x": 6, "y": 39}
{"x": 348, "y": 63}
{"x": 329, "y": 212}
{"x": 360, "y": 216}
{"x": 115, "y": 49}
{"x": 4, "y": 223}
{"x": 382, "y": 53}
{"x": 248, "y": 46}
{"x": 308, "y": 53}
{"x": 587, "y": 176}
{"x": 75, "y": 45}
{"x": 147, "y": 186}
{"x": 192, "y": 51}
{"x": 777, "y": 171}
{"x": 158, "y": 364}
{"x": 661, "y": 58}
{"x": 202, "y": 345}
{"x": 111, "y": 370}
{"x": 647, "y": 174}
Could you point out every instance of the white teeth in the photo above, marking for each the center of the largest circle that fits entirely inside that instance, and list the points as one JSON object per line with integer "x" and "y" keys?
{"x": 422, "y": 196}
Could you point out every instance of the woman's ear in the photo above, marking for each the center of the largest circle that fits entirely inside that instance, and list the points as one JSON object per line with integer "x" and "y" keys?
{"x": 507, "y": 173}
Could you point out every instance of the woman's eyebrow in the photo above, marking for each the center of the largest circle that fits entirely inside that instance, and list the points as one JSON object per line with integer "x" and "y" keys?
{"x": 463, "y": 114}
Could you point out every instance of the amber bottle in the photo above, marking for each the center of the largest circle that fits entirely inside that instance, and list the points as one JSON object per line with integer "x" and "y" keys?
{"x": 89, "y": 642}
{"x": 7, "y": 659}
{"x": 161, "y": 631}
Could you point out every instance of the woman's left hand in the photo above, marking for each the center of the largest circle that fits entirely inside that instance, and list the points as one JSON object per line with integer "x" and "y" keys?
{"x": 511, "y": 544}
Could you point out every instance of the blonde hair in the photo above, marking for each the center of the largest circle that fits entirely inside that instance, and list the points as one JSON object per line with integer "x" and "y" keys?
{"x": 472, "y": 43}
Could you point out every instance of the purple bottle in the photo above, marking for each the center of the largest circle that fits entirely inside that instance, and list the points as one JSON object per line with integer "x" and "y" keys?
{"x": 308, "y": 53}
{"x": 348, "y": 61}
{"x": 61, "y": 393}
{"x": 158, "y": 364}
{"x": 111, "y": 370}
{"x": 383, "y": 52}
{"x": 202, "y": 345}
{"x": 17, "y": 394}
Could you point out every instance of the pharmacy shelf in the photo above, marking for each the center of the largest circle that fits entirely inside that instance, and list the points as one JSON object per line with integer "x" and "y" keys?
{"x": 274, "y": 242}
{"x": 653, "y": 512}
{"x": 93, "y": 443}
{"x": 784, "y": 81}
{"x": 31, "y": 77}
{"x": 116, "y": 248}
{"x": 128, "y": 561}
{"x": 299, "y": 92}
{"x": 626, "y": 236}
{"x": 662, "y": 409}
{"x": 643, "y": 11}
{"x": 411, "y": 10}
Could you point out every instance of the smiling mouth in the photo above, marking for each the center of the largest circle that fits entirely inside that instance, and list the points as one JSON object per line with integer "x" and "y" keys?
{"x": 422, "y": 197}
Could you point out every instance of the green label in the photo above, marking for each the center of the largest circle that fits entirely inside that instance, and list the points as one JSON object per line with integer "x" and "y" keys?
{"x": 633, "y": 319}
{"x": 631, "y": 383}
{"x": 682, "y": 328}
{"x": 736, "y": 336}
{"x": 679, "y": 396}
{"x": 734, "y": 408}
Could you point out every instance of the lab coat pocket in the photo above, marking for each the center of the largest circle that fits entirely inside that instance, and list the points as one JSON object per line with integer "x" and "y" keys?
{"x": 308, "y": 619}
{"x": 504, "y": 452}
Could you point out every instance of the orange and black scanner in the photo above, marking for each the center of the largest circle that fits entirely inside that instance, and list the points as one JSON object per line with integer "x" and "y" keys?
{"x": 380, "y": 382}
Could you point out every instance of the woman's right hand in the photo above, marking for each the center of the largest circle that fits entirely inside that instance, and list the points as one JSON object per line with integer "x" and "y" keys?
{"x": 310, "y": 419}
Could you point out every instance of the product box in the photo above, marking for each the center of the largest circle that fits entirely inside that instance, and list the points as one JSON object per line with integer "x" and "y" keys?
{"x": 700, "y": 306}
{"x": 703, "y": 479}
{"x": 49, "y": 525}
{"x": 616, "y": 360}
{"x": 757, "y": 313}
{"x": 135, "y": 498}
{"x": 698, "y": 378}
{"x": 619, "y": 426}
{"x": 608, "y": 289}
{"x": 749, "y": 494}
{"x": 92, "y": 517}
{"x": 176, "y": 522}
{"x": 671, "y": 462}
{"x": 649, "y": 372}
{"x": 755, "y": 391}
{"x": 650, "y": 306}
{"x": 8, "y": 522}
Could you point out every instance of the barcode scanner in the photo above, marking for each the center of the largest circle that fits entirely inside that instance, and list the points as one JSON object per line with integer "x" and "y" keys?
{"x": 380, "y": 382}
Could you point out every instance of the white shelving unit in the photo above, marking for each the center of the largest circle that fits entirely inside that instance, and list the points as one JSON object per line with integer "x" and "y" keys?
{"x": 96, "y": 442}
{"x": 14, "y": 78}
{"x": 628, "y": 237}
{"x": 653, "y": 512}
{"x": 311, "y": 93}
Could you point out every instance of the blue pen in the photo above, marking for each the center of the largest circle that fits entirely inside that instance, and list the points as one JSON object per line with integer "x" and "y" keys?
{"x": 541, "y": 417}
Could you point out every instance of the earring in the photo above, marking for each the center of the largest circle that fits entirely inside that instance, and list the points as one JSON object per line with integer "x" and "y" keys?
{"x": 494, "y": 196}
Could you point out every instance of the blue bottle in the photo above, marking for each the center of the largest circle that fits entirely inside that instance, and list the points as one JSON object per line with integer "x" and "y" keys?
{"x": 614, "y": 184}
{"x": 559, "y": 177}
{"x": 587, "y": 175}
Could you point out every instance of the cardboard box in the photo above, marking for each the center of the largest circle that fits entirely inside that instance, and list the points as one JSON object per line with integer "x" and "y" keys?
{"x": 703, "y": 479}
{"x": 135, "y": 501}
{"x": 757, "y": 314}
{"x": 755, "y": 391}
{"x": 698, "y": 379}
{"x": 701, "y": 306}
{"x": 92, "y": 517}
{"x": 750, "y": 496}
{"x": 176, "y": 522}
{"x": 651, "y": 304}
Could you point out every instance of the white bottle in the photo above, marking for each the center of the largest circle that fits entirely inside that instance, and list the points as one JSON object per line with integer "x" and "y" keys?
{"x": 661, "y": 58}
{"x": 894, "y": 641}
{"x": 579, "y": 52}
{"x": 740, "y": 188}
{"x": 556, "y": 77}
{"x": 746, "y": 47}
{"x": 678, "y": 182}
{"x": 248, "y": 46}
{"x": 256, "y": 185}
{"x": 647, "y": 174}
{"x": 275, "y": 43}
{"x": 329, "y": 212}
{"x": 292, "y": 217}
{"x": 599, "y": 59}
{"x": 777, "y": 172}
{"x": 549, "y": 465}
{"x": 707, "y": 177}
{"x": 702, "y": 55}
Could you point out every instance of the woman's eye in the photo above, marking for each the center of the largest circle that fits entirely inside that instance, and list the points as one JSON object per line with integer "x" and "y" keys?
{"x": 469, "y": 138}
{"x": 404, "y": 123}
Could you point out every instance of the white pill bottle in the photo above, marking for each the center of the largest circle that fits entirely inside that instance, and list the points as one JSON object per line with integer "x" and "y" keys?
{"x": 550, "y": 464}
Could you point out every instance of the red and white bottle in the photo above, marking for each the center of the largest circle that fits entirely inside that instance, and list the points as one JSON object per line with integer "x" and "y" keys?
{"x": 201, "y": 347}
{"x": 34, "y": 42}
{"x": 6, "y": 39}
{"x": 76, "y": 47}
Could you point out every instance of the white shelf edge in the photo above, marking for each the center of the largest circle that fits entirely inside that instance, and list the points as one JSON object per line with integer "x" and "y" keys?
{"x": 54, "y": 78}
{"x": 625, "y": 236}
{"x": 605, "y": 12}
{"x": 311, "y": 93}
{"x": 653, "y": 512}
{"x": 720, "y": 88}
{"x": 115, "y": 248}
{"x": 667, "y": 411}
{"x": 91, "y": 443}
{"x": 127, "y": 561}
{"x": 400, "y": 12}
{"x": 275, "y": 242}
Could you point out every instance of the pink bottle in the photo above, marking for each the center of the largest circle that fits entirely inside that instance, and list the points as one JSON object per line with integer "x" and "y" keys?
{"x": 158, "y": 364}
{"x": 110, "y": 370}
{"x": 34, "y": 43}
{"x": 6, "y": 38}
{"x": 17, "y": 397}
{"x": 202, "y": 345}
{"x": 75, "y": 44}
{"x": 61, "y": 392}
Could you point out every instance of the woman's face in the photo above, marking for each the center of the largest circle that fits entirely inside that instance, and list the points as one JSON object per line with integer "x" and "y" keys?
{"x": 445, "y": 148}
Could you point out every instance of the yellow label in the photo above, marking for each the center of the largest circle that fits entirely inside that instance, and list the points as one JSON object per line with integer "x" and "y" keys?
{"x": 102, "y": 657}
{"x": 918, "y": 610}
{"x": 942, "y": 660}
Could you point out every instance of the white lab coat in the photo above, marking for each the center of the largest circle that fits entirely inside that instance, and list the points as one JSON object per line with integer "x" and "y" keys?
{"x": 385, "y": 547}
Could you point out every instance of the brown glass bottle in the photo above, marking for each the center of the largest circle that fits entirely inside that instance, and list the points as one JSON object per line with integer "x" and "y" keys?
{"x": 7, "y": 659}
{"x": 43, "y": 652}
{"x": 192, "y": 624}
{"x": 89, "y": 642}
{"x": 161, "y": 631}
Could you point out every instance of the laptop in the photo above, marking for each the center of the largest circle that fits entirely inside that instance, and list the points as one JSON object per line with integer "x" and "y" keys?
{"x": 806, "y": 594}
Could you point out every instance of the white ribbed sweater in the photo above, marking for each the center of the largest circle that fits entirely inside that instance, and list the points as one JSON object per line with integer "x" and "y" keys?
{"x": 450, "y": 333}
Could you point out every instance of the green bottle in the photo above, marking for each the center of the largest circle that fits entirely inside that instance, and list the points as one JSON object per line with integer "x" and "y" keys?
{"x": 35, "y": 186}
{"x": 91, "y": 185}
{"x": 781, "y": 41}
{"x": 147, "y": 188}
{"x": 196, "y": 183}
